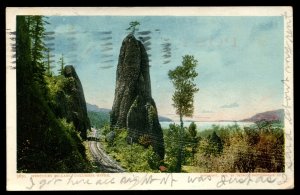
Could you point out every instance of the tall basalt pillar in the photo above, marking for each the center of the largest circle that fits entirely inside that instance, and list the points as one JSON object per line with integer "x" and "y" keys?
{"x": 134, "y": 107}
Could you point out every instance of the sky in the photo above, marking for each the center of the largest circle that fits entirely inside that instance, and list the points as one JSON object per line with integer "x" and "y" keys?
{"x": 240, "y": 59}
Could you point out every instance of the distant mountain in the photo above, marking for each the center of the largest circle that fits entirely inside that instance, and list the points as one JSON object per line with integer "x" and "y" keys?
{"x": 164, "y": 119}
{"x": 95, "y": 108}
{"x": 273, "y": 115}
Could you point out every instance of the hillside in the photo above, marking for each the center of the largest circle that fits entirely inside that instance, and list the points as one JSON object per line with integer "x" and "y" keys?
{"x": 51, "y": 111}
{"x": 95, "y": 108}
{"x": 164, "y": 119}
{"x": 274, "y": 115}
{"x": 98, "y": 119}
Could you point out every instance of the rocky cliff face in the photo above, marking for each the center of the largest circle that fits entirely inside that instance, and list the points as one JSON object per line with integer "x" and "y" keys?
{"x": 69, "y": 100}
{"x": 76, "y": 110}
{"x": 134, "y": 107}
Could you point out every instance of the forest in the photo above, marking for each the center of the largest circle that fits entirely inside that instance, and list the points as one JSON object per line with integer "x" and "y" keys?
{"x": 219, "y": 149}
{"x": 48, "y": 139}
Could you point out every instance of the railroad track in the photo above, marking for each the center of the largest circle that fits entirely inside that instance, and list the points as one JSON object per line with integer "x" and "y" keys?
{"x": 103, "y": 161}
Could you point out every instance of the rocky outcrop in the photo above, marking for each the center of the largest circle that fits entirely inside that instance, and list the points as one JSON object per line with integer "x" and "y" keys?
{"x": 69, "y": 100}
{"x": 134, "y": 107}
{"x": 75, "y": 109}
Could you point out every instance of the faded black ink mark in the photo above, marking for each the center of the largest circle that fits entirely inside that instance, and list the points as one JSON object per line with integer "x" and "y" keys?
{"x": 32, "y": 184}
{"x": 246, "y": 180}
{"x": 198, "y": 179}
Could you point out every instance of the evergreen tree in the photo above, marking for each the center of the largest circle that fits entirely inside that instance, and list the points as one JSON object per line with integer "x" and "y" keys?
{"x": 61, "y": 64}
{"x": 194, "y": 139}
{"x": 24, "y": 79}
{"x": 193, "y": 130}
{"x": 49, "y": 72}
{"x": 133, "y": 26}
{"x": 37, "y": 31}
{"x": 23, "y": 54}
{"x": 215, "y": 143}
{"x": 49, "y": 62}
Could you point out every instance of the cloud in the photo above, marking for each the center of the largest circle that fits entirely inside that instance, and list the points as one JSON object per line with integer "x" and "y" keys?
{"x": 233, "y": 105}
{"x": 207, "y": 111}
{"x": 106, "y": 67}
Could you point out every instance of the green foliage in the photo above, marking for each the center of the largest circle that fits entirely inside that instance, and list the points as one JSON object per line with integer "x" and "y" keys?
{"x": 132, "y": 26}
{"x": 172, "y": 147}
{"x": 48, "y": 144}
{"x": 154, "y": 160}
{"x": 136, "y": 159}
{"x": 193, "y": 129}
{"x": 215, "y": 143}
{"x": 98, "y": 119}
{"x": 48, "y": 63}
{"x": 55, "y": 85}
{"x": 151, "y": 114}
{"x": 105, "y": 129}
{"x": 193, "y": 140}
{"x": 61, "y": 64}
{"x": 23, "y": 53}
{"x": 258, "y": 148}
{"x": 182, "y": 78}
{"x": 58, "y": 97}
{"x": 110, "y": 138}
{"x": 145, "y": 140}
{"x": 172, "y": 138}
{"x": 133, "y": 157}
{"x": 37, "y": 33}
{"x": 45, "y": 143}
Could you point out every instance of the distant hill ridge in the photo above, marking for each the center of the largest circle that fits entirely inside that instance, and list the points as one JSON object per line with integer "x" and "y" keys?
{"x": 95, "y": 108}
{"x": 274, "y": 115}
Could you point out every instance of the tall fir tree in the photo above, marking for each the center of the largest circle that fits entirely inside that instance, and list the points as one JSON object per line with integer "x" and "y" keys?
{"x": 49, "y": 62}
{"x": 37, "y": 33}
{"x": 61, "y": 64}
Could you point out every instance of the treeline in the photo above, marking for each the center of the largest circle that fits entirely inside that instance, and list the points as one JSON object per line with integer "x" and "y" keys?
{"x": 45, "y": 143}
{"x": 258, "y": 148}
{"x": 98, "y": 119}
{"x": 228, "y": 149}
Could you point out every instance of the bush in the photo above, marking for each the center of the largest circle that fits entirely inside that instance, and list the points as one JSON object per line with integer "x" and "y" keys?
{"x": 110, "y": 137}
{"x": 145, "y": 140}
{"x": 154, "y": 160}
{"x": 215, "y": 144}
{"x": 258, "y": 148}
{"x": 105, "y": 129}
{"x": 133, "y": 157}
{"x": 171, "y": 138}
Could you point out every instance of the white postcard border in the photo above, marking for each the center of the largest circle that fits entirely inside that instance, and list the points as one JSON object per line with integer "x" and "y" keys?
{"x": 150, "y": 181}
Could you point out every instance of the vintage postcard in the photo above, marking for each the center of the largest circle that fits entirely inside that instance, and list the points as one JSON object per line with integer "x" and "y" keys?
{"x": 148, "y": 98}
